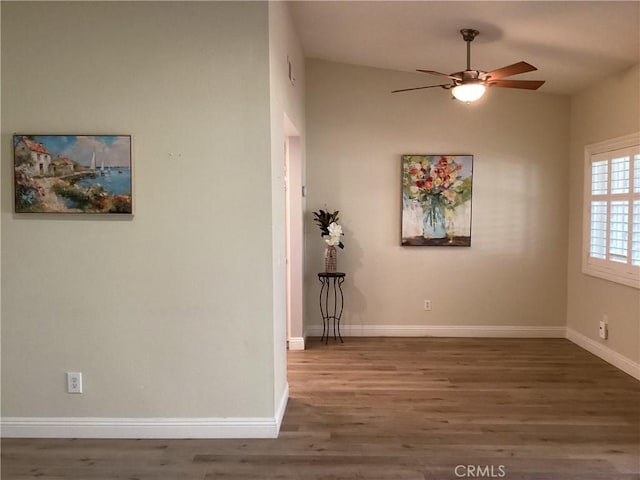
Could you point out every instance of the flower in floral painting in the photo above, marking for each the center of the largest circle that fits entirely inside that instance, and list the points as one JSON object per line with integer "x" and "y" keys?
{"x": 437, "y": 180}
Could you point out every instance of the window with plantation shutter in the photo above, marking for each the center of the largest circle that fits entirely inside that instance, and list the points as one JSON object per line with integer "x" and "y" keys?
{"x": 612, "y": 210}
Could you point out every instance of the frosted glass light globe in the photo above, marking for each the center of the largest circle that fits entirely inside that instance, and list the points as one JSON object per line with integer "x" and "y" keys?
{"x": 469, "y": 92}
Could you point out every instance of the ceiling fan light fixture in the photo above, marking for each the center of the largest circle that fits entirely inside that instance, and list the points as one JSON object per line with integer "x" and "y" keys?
{"x": 468, "y": 92}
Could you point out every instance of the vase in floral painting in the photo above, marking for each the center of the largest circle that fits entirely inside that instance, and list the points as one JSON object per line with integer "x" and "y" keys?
{"x": 433, "y": 221}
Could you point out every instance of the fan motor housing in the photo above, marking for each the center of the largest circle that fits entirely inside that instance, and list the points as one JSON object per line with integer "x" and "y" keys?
{"x": 468, "y": 76}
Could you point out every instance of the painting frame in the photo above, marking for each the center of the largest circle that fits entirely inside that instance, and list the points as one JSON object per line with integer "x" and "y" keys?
{"x": 436, "y": 200}
{"x": 73, "y": 174}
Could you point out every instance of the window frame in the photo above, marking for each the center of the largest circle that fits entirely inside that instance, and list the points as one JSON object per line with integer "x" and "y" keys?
{"x": 623, "y": 273}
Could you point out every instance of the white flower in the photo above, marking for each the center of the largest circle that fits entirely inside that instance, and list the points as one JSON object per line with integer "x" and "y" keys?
{"x": 335, "y": 230}
{"x": 332, "y": 241}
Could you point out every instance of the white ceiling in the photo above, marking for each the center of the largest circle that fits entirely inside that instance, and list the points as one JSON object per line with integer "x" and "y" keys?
{"x": 573, "y": 44}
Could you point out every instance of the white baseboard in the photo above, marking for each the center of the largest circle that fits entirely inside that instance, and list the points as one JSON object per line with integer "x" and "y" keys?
{"x": 282, "y": 406}
{"x": 88, "y": 427}
{"x": 497, "y": 331}
{"x": 605, "y": 353}
{"x": 296, "y": 343}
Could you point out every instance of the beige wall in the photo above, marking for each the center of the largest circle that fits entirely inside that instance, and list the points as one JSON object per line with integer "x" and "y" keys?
{"x": 514, "y": 274}
{"x": 169, "y": 313}
{"x": 607, "y": 110}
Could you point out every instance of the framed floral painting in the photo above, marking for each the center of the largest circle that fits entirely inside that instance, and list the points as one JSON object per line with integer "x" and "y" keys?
{"x": 436, "y": 200}
{"x": 72, "y": 174}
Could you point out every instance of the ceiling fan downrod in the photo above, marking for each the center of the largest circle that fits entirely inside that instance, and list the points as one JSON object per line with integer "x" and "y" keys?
{"x": 468, "y": 34}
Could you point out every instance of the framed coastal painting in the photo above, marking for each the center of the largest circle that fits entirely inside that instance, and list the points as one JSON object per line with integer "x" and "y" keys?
{"x": 436, "y": 200}
{"x": 73, "y": 174}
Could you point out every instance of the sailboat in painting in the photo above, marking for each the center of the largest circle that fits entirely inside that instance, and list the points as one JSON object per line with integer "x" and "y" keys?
{"x": 102, "y": 170}
{"x": 92, "y": 166}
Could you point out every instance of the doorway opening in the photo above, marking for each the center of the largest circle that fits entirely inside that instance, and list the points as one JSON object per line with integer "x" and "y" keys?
{"x": 294, "y": 238}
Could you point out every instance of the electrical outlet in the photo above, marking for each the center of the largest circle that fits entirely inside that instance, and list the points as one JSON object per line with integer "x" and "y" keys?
{"x": 74, "y": 382}
{"x": 427, "y": 305}
{"x": 603, "y": 331}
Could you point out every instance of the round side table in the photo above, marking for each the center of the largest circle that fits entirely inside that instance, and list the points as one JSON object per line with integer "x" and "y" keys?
{"x": 331, "y": 303}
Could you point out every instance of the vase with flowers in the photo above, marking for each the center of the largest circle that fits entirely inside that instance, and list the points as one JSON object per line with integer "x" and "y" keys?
{"x": 329, "y": 228}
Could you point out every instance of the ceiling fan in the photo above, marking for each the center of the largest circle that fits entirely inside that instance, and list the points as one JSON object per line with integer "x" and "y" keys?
{"x": 469, "y": 85}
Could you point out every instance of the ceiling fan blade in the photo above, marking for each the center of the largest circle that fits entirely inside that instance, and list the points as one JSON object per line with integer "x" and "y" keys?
{"x": 440, "y": 74}
{"x": 420, "y": 88}
{"x": 526, "y": 84}
{"x": 515, "y": 69}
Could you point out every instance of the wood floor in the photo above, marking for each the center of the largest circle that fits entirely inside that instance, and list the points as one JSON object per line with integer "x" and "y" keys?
{"x": 401, "y": 409}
